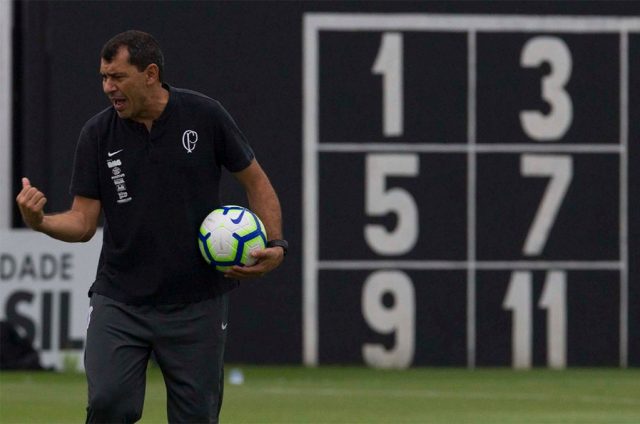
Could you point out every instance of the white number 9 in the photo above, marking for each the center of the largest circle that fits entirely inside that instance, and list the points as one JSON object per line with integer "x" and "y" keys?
{"x": 398, "y": 318}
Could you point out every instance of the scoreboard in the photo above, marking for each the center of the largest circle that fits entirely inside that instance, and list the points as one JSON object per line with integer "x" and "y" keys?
{"x": 466, "y": 190}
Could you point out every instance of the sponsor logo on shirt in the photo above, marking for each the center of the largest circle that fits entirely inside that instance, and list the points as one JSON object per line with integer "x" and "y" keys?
{"x": 114, "y": 153}
{"x": 118, "y": 177}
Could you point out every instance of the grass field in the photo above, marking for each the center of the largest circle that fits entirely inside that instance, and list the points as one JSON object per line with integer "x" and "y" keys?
{"x": 361, "y": 395}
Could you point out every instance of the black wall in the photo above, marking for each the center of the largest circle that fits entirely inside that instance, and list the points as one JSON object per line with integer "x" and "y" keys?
{"x": 249, "y": 55}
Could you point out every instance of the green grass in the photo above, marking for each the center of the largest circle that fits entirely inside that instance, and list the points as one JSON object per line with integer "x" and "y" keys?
{"x": 361, "y": 395}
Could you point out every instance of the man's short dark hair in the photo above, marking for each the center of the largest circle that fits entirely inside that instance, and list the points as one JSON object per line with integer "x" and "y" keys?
{"x": 143, "y": 50}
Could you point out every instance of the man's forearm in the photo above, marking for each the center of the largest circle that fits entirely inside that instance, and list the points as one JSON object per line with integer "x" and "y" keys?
{"x": 70, "y": 226}
{"x": 264, "y": 202}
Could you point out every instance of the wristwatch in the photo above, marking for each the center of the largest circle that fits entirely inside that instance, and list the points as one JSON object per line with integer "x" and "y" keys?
{"x": 279, "y": 243}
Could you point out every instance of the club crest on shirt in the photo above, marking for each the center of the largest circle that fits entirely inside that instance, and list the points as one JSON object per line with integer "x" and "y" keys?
{"x": 118, "y": 177}
{"x": 189, "y": 140}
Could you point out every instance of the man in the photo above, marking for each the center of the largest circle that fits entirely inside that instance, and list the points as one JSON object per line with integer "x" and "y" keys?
{"x": 152, "y": 163}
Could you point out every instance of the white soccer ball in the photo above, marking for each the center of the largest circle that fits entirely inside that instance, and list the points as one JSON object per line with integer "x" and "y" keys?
{"x": 228, "y": 235}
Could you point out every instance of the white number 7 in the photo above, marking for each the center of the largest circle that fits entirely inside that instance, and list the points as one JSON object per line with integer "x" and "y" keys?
{"x": 560, "y": 170}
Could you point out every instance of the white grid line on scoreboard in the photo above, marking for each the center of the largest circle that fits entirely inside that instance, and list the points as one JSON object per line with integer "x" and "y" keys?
{"x": 469, "y": 148}
{"x": 471, "y": 199}
{"x": 624, "y": 187}
{"x": 315, "y": 22}
{"x": 443, "y": 265}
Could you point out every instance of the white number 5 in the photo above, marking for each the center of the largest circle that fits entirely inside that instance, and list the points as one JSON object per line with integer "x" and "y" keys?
{"x": 380, "y": 200}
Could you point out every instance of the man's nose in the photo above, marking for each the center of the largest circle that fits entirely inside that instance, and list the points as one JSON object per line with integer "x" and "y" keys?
{"x": 108, "y": 86}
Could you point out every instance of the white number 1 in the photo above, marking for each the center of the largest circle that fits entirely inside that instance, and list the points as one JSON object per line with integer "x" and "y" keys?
{"x": 389, "y": 65}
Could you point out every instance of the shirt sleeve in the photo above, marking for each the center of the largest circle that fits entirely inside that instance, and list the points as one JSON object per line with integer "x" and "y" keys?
{"x": 233, "y": 150}
{"x": 85, "y": 179}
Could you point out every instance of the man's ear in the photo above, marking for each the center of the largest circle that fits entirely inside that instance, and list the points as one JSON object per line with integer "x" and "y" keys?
{"x": 152, "y": 74}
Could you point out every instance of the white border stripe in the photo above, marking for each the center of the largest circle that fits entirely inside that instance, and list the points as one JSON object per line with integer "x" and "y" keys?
{"x": 466, "y": 23}
{"x": 6, "y": 168}
{"x": 310, "y": 195}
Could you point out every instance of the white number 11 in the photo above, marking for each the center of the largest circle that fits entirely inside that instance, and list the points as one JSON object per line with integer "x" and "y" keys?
{"x": 519, "y": 300}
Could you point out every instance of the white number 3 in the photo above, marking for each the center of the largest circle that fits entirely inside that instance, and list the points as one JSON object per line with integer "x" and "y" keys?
{"x": 554, "y": 124}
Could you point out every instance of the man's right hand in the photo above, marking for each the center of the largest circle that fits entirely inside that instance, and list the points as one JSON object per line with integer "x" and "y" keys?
{"x": 31, "y": 202}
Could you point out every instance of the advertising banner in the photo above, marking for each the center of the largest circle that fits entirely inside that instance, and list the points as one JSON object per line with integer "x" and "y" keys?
{"x": 43, "y": 292}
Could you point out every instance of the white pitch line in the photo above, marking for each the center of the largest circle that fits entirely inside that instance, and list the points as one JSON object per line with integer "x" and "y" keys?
{"x": 443, "y": 394}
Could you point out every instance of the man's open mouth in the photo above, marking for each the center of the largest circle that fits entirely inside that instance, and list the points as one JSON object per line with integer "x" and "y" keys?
{"x": 119, "y": 103}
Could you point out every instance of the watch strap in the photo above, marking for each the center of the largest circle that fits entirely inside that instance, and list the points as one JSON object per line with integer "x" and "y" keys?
{"x": 279, "y": 243}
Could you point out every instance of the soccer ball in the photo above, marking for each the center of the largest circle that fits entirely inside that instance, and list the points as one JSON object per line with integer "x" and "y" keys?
{"x": 228, "y": 235}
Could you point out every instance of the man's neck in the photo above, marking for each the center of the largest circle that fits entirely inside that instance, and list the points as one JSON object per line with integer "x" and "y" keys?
{"x": 157, "y": 102}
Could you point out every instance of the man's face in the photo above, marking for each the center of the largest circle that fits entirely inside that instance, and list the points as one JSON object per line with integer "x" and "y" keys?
{"x": 125, "y": 85}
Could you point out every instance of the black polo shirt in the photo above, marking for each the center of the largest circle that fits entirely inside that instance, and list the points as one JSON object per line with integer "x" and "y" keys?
{"x": 156, "y": 188}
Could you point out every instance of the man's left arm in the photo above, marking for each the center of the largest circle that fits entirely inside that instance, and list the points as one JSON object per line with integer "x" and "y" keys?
{"x": 264, "y": 202}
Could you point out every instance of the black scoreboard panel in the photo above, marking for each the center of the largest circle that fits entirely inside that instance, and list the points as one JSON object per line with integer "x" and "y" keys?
{"x": 410, "y": 317}
{"x": 434, "y": 66}
{"x": 341, "y": 180}
{"x": 583, "y": 221}
{"x": 506, "y": 88}
{"x": 589, "y": 300}
{"x": 471, "y": 188}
